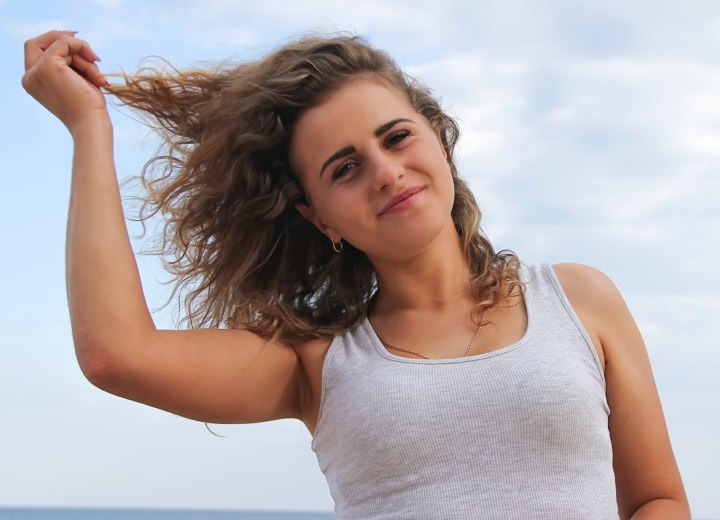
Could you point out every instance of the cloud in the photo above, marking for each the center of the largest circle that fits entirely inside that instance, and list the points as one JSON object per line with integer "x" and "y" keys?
{"x": 611, "y": 157}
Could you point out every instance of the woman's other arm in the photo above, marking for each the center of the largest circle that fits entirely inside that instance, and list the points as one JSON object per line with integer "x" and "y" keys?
{"x": 646, "y": 474}
{"x": 208, "y": 375}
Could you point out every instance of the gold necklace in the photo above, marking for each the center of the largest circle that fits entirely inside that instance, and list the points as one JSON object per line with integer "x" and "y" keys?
{"x": 395, "y": 347}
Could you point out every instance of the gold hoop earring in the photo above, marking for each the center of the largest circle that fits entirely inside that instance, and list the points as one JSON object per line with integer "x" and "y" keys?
{"x": 337, "y": 246}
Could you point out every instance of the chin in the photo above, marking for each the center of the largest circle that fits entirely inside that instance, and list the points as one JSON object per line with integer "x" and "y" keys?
{"x": 412, "y": 241}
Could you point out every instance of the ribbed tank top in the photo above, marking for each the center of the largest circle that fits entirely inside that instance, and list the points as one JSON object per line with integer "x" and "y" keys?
{"x": 516, "y": 433}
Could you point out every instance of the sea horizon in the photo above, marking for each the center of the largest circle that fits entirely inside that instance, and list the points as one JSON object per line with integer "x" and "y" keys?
{"x": 113, "y": 513}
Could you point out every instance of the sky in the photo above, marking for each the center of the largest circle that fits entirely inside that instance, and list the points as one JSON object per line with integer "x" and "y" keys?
{"x": 591, "y": 134}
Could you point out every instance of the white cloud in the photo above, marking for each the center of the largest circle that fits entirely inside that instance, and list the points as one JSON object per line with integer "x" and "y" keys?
{"x": 276, "y": 17}
{"x": 605, "y": 151}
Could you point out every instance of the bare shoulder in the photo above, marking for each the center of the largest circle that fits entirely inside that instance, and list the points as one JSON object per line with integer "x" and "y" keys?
{"x": 583, "y": 283}
{"x": 595, "y": 299}
{"x": 594, "y": 295}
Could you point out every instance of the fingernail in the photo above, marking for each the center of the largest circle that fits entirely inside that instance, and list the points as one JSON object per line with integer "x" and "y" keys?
{"x": 71, "y": 32}
{"x": 97, "y": 58}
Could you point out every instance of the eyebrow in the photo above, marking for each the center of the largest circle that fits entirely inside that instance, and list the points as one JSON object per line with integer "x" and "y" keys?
{"x": 380, "y": 130}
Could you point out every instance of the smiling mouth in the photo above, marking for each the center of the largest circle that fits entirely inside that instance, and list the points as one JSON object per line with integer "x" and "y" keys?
{"x": 398, "y": 199}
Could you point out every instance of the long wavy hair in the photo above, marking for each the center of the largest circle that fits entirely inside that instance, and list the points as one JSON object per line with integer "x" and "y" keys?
{"x": 238, "y": 250}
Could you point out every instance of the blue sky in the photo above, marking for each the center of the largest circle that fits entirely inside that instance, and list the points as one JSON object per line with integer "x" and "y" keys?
{"x": 591, "y": 133}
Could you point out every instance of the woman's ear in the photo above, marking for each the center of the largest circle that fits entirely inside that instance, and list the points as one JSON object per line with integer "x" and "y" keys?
{"x": 307, "y": 212}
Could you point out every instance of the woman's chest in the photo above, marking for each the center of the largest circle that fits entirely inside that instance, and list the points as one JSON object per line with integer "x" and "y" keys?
{"x": 460, "y": 417}
{"x": 544, "y": 398}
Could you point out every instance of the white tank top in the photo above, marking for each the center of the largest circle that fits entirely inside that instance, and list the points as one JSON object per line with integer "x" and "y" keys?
{"x": 517, "y": 433}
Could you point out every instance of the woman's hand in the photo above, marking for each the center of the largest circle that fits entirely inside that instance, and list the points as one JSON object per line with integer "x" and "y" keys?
{"x": 60, "y": 72}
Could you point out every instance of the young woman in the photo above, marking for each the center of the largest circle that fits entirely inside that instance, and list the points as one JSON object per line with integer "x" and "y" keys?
{"x": 336, "y": 274}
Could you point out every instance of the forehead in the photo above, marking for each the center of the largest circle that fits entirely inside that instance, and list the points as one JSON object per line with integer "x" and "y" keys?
{"x": 345, "y": 116}
{"x": 364, "y": 90}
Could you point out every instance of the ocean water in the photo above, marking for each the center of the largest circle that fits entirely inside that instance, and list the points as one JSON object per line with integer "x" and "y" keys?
{"x": 151, "y": 514}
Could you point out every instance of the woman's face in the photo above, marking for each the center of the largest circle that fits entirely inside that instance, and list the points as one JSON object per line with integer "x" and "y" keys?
{"x": 375, "y": 172}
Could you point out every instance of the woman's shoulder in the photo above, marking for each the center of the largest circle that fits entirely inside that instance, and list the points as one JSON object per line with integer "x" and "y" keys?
{"x": 585, "y": 284}
{"x": 596, "y": 300}
{"x": 590, "y": 291}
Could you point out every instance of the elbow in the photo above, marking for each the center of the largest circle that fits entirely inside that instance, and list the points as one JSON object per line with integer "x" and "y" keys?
{"x": 97, "y": 370}
{"x": 96, "y": 362}
{"x": 663, "y": 508}
{"x": 106, "y": 357}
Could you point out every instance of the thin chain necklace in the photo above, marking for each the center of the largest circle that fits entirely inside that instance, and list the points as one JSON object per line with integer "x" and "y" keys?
{"x": 395, "y": 347}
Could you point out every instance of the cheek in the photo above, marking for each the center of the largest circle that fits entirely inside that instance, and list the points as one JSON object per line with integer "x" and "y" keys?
{"x": 352, "y": 218}
{"x": 447, "y": 185}
{"x": 341, "y": 210}
{"x": 441, "y": 167}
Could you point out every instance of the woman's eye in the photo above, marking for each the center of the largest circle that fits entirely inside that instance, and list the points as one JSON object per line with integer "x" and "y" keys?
{"x": 398, "y": 136}
{"x": 343, "y": 169}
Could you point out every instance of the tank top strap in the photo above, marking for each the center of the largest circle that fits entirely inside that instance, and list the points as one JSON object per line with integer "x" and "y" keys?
{"x": 553, "y": 309}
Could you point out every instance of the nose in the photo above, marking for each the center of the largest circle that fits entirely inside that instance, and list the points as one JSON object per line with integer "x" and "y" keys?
{"x": 386, "y": 169}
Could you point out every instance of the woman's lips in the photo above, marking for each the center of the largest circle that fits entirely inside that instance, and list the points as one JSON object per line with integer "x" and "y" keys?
{"x": 402, "y": 200}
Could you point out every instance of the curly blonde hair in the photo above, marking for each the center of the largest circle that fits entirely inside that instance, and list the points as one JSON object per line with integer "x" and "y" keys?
{"x": 232, "y": 238}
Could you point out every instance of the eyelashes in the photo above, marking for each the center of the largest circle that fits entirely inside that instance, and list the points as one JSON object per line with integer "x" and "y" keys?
{"x": 393, "y": 139}
{"x": 342, "y": 169}
{"x": 396, "y": 137}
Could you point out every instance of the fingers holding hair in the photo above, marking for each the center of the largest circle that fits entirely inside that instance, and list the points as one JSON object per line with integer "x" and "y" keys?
{"x": 62, "y": 74}
{"x": 57, "y": 43}
{"x": 89, "y": 70}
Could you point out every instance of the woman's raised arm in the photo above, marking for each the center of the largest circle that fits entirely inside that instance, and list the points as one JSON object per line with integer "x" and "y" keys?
{"x": 210, "y": 375}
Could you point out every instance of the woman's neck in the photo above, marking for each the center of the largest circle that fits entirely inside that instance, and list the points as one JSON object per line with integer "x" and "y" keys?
{"x": 436, "y": 279}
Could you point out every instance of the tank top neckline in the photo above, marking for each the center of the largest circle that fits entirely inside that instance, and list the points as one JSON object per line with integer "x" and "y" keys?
{"x": 367, "y": 329}
{"x": 532, "y": 415}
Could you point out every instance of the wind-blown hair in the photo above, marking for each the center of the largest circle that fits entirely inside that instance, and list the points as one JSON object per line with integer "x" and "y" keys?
{"x": 234, "y": 242}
